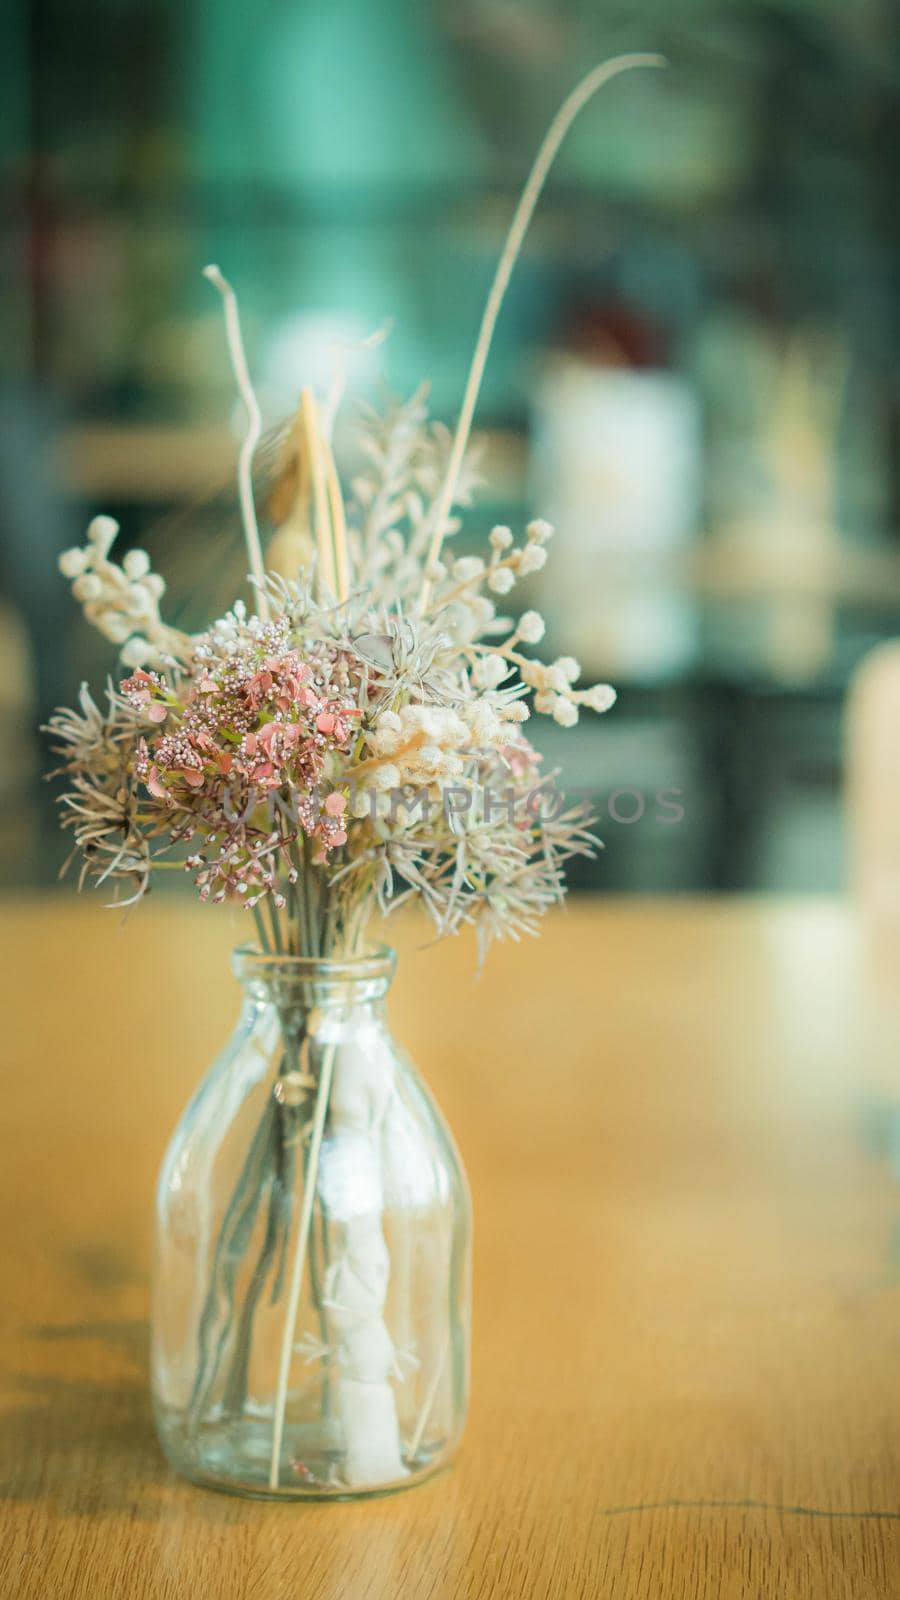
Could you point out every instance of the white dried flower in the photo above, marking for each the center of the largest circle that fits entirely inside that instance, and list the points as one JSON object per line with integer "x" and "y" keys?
{"x": 483, "y": 610}
{"x": 113, "y": 627}
{"x": 569, "y": 667}
{"x": 154, "y": 585}
{"x": 386, "y": 734}
{"x": 534, "y": 673}
{"x": 565, "y": 712}
{"x": 486, "y": 727}
{"x": 430, "y": 759}
{"x": 361, "y": 805}
{"x": 531, "y": 627}
{"x": 501, "y": 581}
{"x": 531, "y": 559}
{"x": 556, "y": 679}
{"x": 87, "y": 587}
{"x": 136, "y": 564}
{"x": 514, "y": 711}
{"x": 463, "y": 626}
{"x": 490, "y": 671}
{"x": 545, "y": 702}
{"x": 500, "y": 538}
{"x": 137, "y": 652}
{"x": 73, "y": 562}
{"x": 539, "y": 531}
{"x": 438, "y": 723}
{"x": 122, "y": 601}
{"x": 101, "y": 534}
{"x": 600, "y": 698}
{"x": 467, "y": 568}
{"x": 382, "y": 741}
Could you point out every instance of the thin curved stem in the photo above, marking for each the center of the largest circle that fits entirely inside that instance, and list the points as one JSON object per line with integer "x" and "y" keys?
{"x": 251, "y": 437}
{"x": 524, "y": 211}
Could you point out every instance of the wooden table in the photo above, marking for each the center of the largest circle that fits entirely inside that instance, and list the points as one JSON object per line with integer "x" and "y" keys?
{"x": 676, "y": 1118}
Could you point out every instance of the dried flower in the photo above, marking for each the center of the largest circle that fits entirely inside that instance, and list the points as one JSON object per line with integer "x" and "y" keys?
{"x": 123, "y": 601}
{"x": 467, "y": 568}
{"x": 602, "y": 697}
{"x": 501, "y": 580}
{"x": 539, "y": 531}
{"x": 531, "y": 559}
{"x": 306, "y": 756}
{"x": 490, "y": 671}
{"x": 530, "y": 627}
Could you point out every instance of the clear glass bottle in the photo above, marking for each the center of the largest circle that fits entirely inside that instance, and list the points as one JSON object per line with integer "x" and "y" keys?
{"x": 311, "y": 1285}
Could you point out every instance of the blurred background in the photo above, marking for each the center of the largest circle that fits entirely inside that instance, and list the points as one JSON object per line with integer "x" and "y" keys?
{"x": 695, "y": 376}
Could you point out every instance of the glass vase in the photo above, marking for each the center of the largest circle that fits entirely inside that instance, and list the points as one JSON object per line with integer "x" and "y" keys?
{"x": 312, "y": 1264}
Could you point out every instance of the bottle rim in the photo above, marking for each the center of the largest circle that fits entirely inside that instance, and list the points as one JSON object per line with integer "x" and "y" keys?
{"x": 374, "y": 965}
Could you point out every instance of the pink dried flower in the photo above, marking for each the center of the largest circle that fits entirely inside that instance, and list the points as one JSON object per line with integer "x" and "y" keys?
{"x": 261, "y": 721}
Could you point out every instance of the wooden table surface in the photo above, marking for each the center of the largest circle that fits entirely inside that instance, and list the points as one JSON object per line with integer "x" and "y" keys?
{"x": 676, "y": 1117}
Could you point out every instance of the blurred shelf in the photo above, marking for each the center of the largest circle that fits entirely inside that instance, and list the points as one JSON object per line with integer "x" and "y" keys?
{"x": 160, "y": 464}
{"x": 143, "y": 463}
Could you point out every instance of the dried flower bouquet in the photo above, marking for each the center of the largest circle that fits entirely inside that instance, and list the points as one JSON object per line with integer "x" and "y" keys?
{"x": 352, "y": 740}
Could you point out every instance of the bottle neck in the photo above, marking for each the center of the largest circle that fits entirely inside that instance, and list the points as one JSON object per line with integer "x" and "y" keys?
{"x": 304, "y": 983}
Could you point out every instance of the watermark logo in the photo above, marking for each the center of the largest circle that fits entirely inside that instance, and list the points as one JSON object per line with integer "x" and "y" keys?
{"x": 479, "y": 803}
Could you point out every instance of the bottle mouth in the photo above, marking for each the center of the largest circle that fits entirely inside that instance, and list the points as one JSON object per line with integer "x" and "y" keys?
{"x": 370, "y": 972}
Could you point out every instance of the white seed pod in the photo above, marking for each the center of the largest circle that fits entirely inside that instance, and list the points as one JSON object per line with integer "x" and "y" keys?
{"x": 483, "y": 610}
{"x": 539, "y": 531}
{"x": 136, "y": 564}
{"x": 569, "y": 667}
{"x": 467, "y": 568}
{"x": 486, "y": 727}
{"x": 557, "y": 678}
{"x": 600, "y": 698}
{"x": 531, "y": 627}
{"x": 565, "y": 712}
{"x": 501, "y": 581}
{"x": 73, "y": 562}
{"x": 489, "y": 672}
{"x": 114, "y": 626}
{"x": 532, "y": 559}
{"x": 385, "y": 777}
{"x": 382, "y": 741}
{"x": 430, "y": 757}
{"x": 88, "y": 587}
{"x": 137, "y": 652}
{"x": 101, "y": 534}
